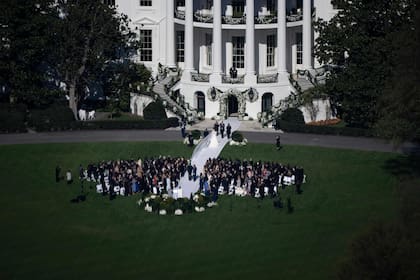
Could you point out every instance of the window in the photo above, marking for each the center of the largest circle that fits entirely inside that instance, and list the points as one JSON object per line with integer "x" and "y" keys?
{"x": 271, "y": 5}
{"x": 209, "y": 40}
{"x": 109, "y": 2}
{"x": 180, "y": 3}
{"x": 146, "y": 45}
{"x": 238, "y": 8}
{"x": 180, "y": 40}
{"x": 208, "y": 4}
{"x": 267, "y": 102}
{"x": 238, "y": 52}
{"x": 146, "y": 3}
{"x": 271, "y": 46}
{"x": 299, "y": 50}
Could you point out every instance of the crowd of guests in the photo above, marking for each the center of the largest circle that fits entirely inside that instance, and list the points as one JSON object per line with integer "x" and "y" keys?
{"x": 150, "y": 175}
{"x": 257, "y": 178}
{"x": 162, "y": 175}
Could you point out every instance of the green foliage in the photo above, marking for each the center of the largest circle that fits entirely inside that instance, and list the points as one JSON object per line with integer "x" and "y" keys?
{"x": 27, "y": 32}
{"x": 380, "y": 253}
{"x": 359, "y": 41}
{"x": 196, "y": 134}
{"x": 292, "y": 115}
{"x": 125, "y": 124}
{"x": 121, "y": 79}
{"x": 155, "y": 111}
{"x": 173, "y": 122}
{"x": 329, "y": 130}
{"x": 12, "y": 118}
{"x": 237, "y": 136}
{"x": 399, "y": 104}
{"x": 56, "y": 117}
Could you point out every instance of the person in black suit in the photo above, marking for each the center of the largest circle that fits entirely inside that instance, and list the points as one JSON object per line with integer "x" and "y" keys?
{"x": 278, "y": 144}
{"x": 222, "y": 129}
{"x": 57, "y": 173}
{"x": 228, "y": 130}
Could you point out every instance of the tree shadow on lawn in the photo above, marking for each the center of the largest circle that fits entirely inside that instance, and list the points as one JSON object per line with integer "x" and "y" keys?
{"x": 404, "y": 165}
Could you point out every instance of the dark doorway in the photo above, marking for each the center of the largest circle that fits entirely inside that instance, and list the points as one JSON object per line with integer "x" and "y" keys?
{"x": 232, "y": 105}
{"x": 267, "y": 102}
{"x": 201, "y": 102}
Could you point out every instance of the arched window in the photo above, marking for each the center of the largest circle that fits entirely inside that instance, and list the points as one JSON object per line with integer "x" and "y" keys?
{"x": 201, "y": 102}
{"x": 267, "y": 102}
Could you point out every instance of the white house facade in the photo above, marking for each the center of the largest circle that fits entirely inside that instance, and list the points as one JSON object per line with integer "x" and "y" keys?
{"x": 236, "y": 56}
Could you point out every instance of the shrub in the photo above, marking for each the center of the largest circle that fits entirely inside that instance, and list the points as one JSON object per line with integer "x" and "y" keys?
{"x": 173, "y": 122}
{"x": 196, "y": 134}
{"x": 55, "y": 117}
{"x": 292, "y": 115}
{"x": 237, "y": 136}
{"x": 154, "y": 111}
{"x": 126, "y": 124}
{"x": 12, "y": 118}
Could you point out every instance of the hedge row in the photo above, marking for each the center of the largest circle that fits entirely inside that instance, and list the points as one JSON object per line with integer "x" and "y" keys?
{"x": 330, "y": 130}
{"x": 12, "y": 118}
{"x": 130, "y": 124}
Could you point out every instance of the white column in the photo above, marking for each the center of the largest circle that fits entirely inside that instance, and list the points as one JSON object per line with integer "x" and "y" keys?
{"x": 170, "y": 35}
{"x": 189, "y": 37}
{"x": 217, "y": 42}
{"x": 250, "y": 43}
{"x": 281, "y": 36}
{"x": 307, "y": 34}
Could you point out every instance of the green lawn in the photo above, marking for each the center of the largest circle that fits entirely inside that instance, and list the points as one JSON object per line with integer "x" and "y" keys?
{"x": 44, "y": 236}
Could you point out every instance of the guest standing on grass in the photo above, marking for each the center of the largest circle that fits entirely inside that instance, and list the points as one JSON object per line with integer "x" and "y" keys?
{"x": 278, "y": 144}
{"x": 69, "y": 177}
{"x": 57, "y": 173}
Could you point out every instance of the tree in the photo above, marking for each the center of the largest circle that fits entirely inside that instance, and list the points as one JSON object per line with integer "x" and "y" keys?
{"x": 400, "y": 104}
{"x": 92, "y": 35}
{"x": 123, "y": 78}
{"x": 28, "y": 38}
{"x": 358, "y": 40}
{"x": 380, "y": 253}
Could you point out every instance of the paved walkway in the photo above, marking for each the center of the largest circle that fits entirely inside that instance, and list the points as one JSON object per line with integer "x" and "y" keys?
{"x": 261, "y": 136}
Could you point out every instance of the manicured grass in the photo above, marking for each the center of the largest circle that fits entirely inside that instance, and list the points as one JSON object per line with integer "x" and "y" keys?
{"x": 44, "y": 236}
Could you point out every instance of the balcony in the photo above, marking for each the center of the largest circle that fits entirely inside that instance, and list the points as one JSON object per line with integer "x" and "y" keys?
{"x": 294, "y": 15}
{"x": 265, "y": 16}
{"x": 227, "y": 79}
{"x": 200, "y": 77}
{"x": 267, "y": 78}
{"x": 204, "y": 15}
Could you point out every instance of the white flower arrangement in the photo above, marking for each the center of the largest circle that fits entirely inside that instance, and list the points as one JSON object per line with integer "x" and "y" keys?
{"x": 153, "y": 196}
{"x": 211, "y": 204}
{"x": 165, "y": 196}
{"x": 178, "y": 212}
{"x": 139, "y": 202}
{"x": 162, "y": 212}
{"x": 240, "y": 192}
{"x": 148, "y": 208}
{"x": 147, "y": 199}
{"x": 196, "y": 197}
{"x": 234, "y": 143}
